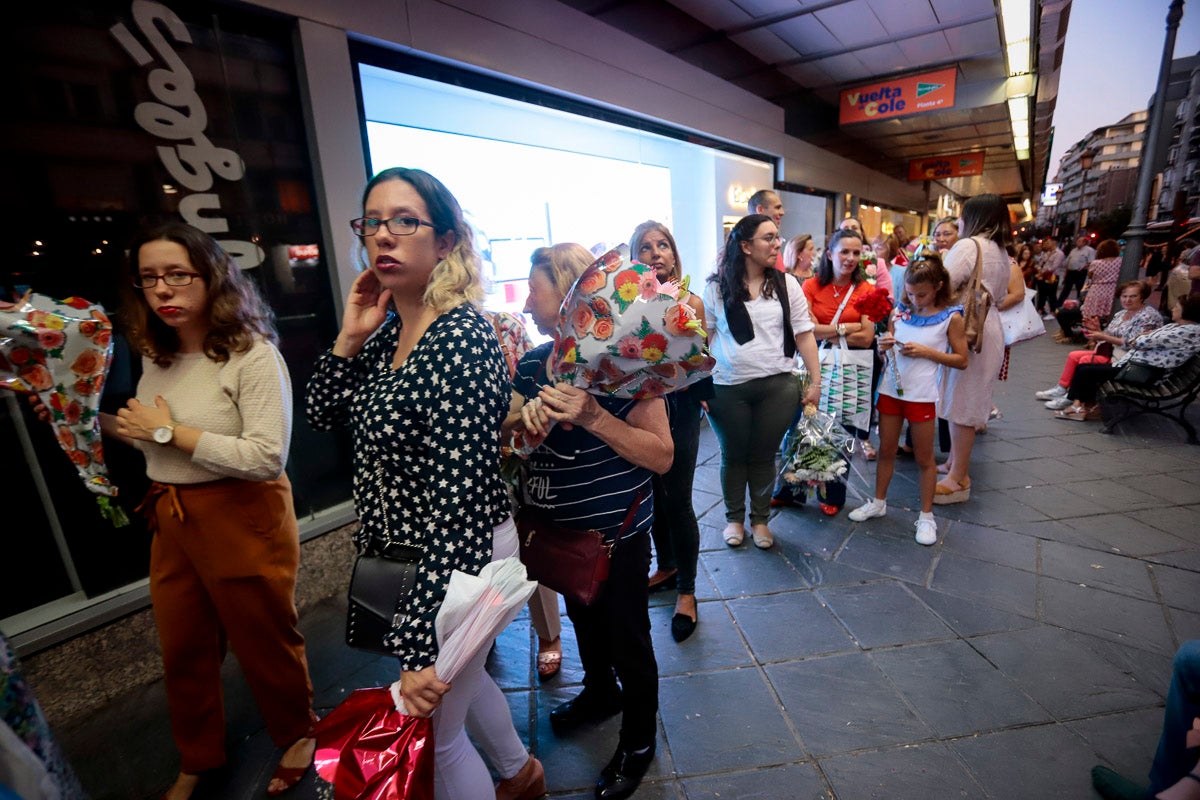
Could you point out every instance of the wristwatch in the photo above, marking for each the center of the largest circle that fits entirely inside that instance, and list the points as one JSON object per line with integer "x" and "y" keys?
{"x": 841, "y": 329}
{"x": 164, "y": 434}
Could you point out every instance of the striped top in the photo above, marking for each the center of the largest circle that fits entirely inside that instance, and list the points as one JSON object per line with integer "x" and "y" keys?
{"x": 573, "y": 476}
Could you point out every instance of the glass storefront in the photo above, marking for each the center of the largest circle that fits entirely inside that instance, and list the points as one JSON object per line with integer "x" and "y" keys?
{"x": 121, "y": 115}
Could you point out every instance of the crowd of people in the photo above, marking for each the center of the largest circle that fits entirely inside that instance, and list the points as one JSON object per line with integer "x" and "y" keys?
{"x": 212, "y": 416}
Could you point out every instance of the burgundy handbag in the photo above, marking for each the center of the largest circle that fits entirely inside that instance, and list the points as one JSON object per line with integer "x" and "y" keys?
{"x": 573, "y": 563}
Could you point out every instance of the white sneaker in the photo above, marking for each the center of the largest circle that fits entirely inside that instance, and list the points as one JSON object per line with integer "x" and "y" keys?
{"x": 1057, "y": 403}
{"x": 869, "y": 509}
{"x": 1048, "y": 317}
{"x": 1051, "y": 394}
{"x": 926, "y": 531}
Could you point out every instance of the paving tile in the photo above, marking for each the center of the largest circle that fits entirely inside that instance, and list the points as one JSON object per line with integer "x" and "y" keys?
{"x": 883, "y": 614}
{"x": 1124, "y": 533}
{"x": 1126, "y": 742}
{"x": 814, "y": 694}
{"x": 1178, "y": 520}
{"x": 1151, "y": 670}
{"x": 1053, "y": 763}
{"x": 924, "y": 771}
{"x": 1081, "y": 467}
{"x": 715, "y": 644}
{"x": 969, "y": 618}
{"x": 1055, "y": 502}
{"x": 806, "y": 531}
{"x": 1002, "y": 475}
{"x": 1171, "y": 488}
{"x": 717, "y": 721}
{"x": 767, "y": 623}
{"x": 1063, "y": 673}
{"x": 1185, "y": 624}
{"x": 1105, "y": 614}
{"x": 1116, "y": 573}
{"x": 1107, "y": 494}
{"x": 989, "y": 507}
{"x": 992, "y": 585}
{"x": 747, "y": 570}
{"x": 818, "y": 572}
{"x": 787, "y": 782}
{"x": 992, "y": 545}
{"x": 892, "y": 556}
{"x": 1182, "y": 559}
{"x": 970, "y": 695}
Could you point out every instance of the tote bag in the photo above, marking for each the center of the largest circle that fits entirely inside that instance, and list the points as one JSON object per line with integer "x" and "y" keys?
{"x": 846, "y": 379}
{"x": 1021, "y": 322}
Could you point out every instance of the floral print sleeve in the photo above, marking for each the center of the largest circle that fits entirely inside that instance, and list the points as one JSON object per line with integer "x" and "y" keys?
{"x": 1167, "y": 347}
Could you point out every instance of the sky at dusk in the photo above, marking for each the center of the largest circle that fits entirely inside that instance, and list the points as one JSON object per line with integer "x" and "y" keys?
{"x": 1110, "y": 63}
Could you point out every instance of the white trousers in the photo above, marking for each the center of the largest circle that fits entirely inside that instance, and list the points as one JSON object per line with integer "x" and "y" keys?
{"x": 476, "y": 702}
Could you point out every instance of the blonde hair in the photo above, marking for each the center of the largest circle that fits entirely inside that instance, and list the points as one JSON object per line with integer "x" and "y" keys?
{"x": 457, "y": 278}
{"x": 794, "y": 248}
{"x": 562, "y": 263}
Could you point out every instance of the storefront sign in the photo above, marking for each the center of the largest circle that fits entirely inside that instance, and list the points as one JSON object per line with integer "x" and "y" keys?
{"x": 931, "y": 91}
{"x": 1050, "y": 194}
{"x": 955, "y": 166}
{"x": 180, "y": 117}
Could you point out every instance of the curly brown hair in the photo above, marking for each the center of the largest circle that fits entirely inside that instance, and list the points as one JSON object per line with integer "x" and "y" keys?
{"x": 237, "y": 314}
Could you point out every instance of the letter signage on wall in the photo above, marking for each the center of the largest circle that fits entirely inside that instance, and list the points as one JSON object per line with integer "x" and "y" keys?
{"x": 952, "y": 166}
{"x": 915, "y": 94}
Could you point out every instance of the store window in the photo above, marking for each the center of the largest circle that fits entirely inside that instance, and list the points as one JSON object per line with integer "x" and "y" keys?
{"x": 121, "y": 115}
{"x": 532, "y": 169}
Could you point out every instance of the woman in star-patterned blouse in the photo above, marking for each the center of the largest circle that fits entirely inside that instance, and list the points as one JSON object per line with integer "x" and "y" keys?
{"x": 417, "y": 375}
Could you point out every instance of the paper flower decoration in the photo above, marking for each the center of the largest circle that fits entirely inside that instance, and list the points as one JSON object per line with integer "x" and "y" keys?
{"x": 60, "y": 351}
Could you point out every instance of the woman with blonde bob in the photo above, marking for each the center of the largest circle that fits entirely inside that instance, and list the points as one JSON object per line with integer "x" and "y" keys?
{"x": 417, "y": 375}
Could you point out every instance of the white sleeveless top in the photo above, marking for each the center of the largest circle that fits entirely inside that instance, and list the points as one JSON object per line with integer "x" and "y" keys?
{"x": 918, "y": 376}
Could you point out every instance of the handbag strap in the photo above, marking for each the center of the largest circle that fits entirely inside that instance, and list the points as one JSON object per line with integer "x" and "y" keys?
{"x": 977, "y": 273}
{"x": 628, "y": 523}
{"x": 828, "y": 343}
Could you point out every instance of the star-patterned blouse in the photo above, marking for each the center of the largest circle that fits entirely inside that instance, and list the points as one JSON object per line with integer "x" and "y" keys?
{"x": 426, "y": 453}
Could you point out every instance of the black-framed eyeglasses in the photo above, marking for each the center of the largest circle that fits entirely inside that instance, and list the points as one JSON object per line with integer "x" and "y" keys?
{"x": 397, "y": 226}
{"x": 172, "y": 279}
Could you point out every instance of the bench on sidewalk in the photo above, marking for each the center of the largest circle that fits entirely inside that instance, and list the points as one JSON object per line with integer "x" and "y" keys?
{"x": 1171, "y": 393}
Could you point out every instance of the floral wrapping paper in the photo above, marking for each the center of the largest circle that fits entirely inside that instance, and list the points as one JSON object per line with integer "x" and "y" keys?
{"x": 623, "y": 334}
{"x": 60, "y": 350}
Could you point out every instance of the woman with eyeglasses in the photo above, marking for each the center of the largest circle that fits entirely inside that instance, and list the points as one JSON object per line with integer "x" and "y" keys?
{"x": 417, "y": 375}
{"x": 213, "y": 418}
{"x": 757, "y": 320}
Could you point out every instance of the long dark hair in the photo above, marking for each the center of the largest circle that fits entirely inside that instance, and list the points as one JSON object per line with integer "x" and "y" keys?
{"x": 237, "y": 313}
{"x": 986, "y": 215}
{"x": 825, "y": 271}
{"x": 928, "y": 269}
{"x": 730, "y": 276}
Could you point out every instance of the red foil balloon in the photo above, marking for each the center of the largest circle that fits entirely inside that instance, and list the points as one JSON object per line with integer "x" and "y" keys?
{"x": 370, "y": 751}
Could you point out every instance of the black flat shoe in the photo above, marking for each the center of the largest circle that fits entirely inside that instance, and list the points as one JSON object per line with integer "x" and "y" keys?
{"x": 584, "y": 709}
{"x": 683, "y": 626}
{"x": 624, "y": 774}
{"x": 1113, "y": 786}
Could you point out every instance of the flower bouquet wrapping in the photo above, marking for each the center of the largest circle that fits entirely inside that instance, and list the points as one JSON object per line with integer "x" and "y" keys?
{"x": 60, "y": 351}
{"x": 622, "y": 333}
{"x": 818, "y": 451}
{"x": 368, "y": 748}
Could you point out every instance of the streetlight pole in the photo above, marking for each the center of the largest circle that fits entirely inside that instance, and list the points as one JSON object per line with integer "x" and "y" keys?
{"x": 1135, "y": 236}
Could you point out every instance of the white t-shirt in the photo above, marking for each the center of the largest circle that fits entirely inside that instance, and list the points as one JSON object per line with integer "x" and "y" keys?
{"x": 762, "y": 356}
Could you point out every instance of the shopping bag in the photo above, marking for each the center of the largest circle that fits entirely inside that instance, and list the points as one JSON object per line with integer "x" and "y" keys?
{"x": 846, "y": 383}
{"x": 1021, "y": 322}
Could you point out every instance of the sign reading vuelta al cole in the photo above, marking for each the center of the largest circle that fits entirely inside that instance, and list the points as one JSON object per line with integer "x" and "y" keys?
{"x": 915, "y": 94}
{"x": 953, "y": 166}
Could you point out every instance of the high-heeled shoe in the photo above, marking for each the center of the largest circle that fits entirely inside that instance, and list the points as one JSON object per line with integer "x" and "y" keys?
{"x": 529, "y": 783}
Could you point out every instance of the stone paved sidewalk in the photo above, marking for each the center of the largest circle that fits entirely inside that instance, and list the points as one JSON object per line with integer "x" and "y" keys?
{"x": 1031, "y": 642}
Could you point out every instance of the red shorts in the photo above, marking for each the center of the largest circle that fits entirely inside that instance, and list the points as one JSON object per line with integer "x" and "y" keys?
{"x": 911, "y": 411}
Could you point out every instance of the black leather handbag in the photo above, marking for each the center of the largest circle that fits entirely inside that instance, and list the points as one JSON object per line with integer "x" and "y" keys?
{"x": 380, "y": 590}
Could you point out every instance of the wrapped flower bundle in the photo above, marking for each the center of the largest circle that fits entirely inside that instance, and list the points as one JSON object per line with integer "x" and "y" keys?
{"x": 60, "y": 351}
{"x": 818, "y": 451}
{"x": 621, "y": 333}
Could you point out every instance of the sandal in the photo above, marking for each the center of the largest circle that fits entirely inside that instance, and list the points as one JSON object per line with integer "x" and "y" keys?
{"x": 1076, "y": 414}
{"x": 290, "y": 776}
{"x": 949, "y": 491}
{"x": 734, "y": 534}
{"x": 868, "y": 451}
{"x": 548, "y": 665}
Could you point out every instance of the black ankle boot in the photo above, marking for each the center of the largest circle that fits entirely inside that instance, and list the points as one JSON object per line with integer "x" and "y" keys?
{"x": 585, "y": 708}
{"x": 624, "y": 773}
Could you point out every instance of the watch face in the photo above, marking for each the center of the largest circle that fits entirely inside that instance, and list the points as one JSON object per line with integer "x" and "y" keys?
{"x": 163, "y": 435}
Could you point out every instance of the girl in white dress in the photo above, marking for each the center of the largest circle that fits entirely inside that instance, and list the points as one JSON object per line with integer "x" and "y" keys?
{"x": 926, "y": 335}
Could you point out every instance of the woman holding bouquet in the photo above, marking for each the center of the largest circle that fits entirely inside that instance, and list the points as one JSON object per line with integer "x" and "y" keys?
{"x": 833, "y": 296}
{"x": 417, "y": 375}
{"x": 212, "y": 417}
{"x": 757, "y": 320}
{"x": 591, "y": 468}
{"x": 676, "y": 532}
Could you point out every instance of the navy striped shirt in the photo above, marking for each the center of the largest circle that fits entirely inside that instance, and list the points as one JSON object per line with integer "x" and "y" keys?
{"x": 577, "y": 479}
